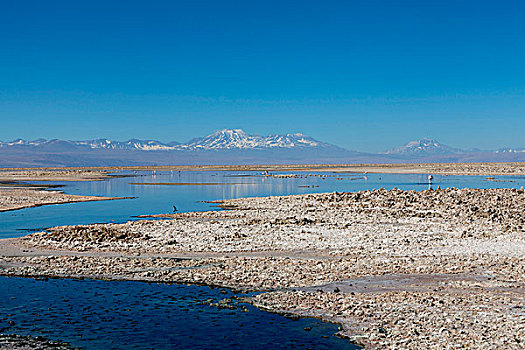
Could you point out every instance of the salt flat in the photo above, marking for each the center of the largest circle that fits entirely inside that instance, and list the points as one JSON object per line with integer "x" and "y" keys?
{"x": 20, "y": 198}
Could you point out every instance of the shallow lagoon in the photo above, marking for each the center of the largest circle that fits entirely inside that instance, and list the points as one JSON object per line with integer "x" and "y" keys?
{"x": 151, "y": 199}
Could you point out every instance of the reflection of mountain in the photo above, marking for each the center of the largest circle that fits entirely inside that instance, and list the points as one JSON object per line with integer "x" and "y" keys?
{"x": 230, "y": 146}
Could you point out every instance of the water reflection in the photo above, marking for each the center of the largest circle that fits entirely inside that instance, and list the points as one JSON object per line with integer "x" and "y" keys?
{"x": 153, "y": 199}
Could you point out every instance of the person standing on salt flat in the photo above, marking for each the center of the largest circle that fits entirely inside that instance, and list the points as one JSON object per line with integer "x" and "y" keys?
{"x": 430, "y": 177}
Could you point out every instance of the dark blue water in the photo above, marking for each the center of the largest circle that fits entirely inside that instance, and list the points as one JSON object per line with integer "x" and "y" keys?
{"x": 161, "y": 199}
{"x": 136, "y": 315}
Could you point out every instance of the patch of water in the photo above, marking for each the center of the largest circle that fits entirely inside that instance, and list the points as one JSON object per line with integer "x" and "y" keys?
{"x": 136, "y": 315}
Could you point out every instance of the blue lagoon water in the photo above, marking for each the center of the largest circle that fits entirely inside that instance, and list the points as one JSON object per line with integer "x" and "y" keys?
{"x": 136, "y": 315}
{"x": 161, "y": 199}
{"x": 123, "y": 315}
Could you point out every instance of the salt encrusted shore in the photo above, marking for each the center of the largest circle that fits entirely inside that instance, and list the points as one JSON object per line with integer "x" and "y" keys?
{"x": 20, "y": 198}
{"x": 434, "y": 269}
{"x": 16, "y": 194}
{"x": 52, "y": 174}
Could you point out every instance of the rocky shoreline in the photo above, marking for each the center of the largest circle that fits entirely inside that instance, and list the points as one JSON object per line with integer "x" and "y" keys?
{"x": 398, "y": 269}
{"x": 16, "y": 194}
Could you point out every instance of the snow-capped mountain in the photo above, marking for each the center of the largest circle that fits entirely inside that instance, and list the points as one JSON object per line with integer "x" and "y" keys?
{"x": 238, "y": 139}
{"x": 144, "y": 145}
{"x": 231, "y": 146}
{"x": 511, "y": 150}
{"x": 424, "y": 147}
{"x": 227, "y": 139}
{"x": 21, "y": 142}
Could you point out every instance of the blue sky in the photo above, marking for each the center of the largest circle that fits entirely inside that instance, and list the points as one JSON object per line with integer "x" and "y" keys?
{"x": 365, "y": 75}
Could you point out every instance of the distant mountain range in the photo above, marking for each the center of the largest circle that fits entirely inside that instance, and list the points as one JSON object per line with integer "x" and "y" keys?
{"x": 144, "y": 145}
{"x": 424, "y": 147}
{"x": 427, "y": 147}
{"x": 230, "y": 146}
{"x": 219, "y": 140}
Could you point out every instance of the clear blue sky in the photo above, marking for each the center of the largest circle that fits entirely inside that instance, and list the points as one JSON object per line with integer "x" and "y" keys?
{"x": 365, "y": 75}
